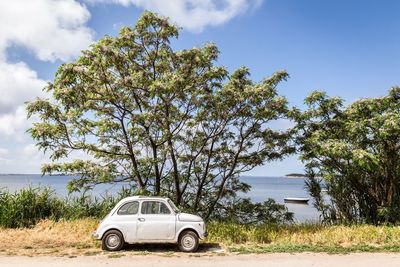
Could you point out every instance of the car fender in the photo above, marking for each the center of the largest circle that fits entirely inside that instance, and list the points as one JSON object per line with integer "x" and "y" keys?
{"x": 188, "y": 227}
{"x": 104, "y": 229}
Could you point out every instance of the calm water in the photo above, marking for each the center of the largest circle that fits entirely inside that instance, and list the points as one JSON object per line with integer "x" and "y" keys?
{"x": 261, "y": 188}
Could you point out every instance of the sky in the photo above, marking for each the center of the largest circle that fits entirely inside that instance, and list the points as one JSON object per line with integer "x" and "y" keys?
{"x": 348, "y": 48}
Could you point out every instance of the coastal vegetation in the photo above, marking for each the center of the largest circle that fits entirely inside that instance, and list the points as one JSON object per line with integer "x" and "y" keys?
{"x": 26, "y": 207}
{"x": 71, "y": 238}
{"x": 171, "y": 123}
{"x": 354, "y": 153}
{"x": 174, "y": 124}
{"x": 35, "y": 221}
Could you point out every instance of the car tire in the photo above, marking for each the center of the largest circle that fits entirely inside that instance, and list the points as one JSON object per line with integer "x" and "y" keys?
{"x": 188, "y": 241}
{"x": 112, "y": 241}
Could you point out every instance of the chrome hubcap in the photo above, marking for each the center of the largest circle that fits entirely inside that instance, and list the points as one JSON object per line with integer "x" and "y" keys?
{"x": 188, "y": 242}
{"x": 113, "y": 241}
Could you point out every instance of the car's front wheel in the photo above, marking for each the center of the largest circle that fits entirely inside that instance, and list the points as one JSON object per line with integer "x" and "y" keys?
{"x": 188, "y": 241}
{"x": 112, "y": 241}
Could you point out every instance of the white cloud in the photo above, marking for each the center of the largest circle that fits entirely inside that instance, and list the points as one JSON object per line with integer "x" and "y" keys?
{"x": 26, "y": 158}
{"x": 30, "y": 151}
{"x": 23, "y": 159}
{"x": 4, "y": 162}
{"x": 193, "y": 15}
{"x": 51, "y": 29}
{"x": 14, "y": 124}
{"x": 18, "y": 84}
{"x": 3, "y": 151}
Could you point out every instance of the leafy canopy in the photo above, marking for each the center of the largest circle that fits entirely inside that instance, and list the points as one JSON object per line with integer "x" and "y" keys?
{"x": 356, "y": 150}
{"x": 167, "y": 122}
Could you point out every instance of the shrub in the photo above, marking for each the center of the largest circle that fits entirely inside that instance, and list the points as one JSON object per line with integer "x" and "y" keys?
{"x": 29, "y": 205}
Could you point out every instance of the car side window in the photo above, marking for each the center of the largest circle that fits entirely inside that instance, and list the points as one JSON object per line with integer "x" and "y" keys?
{"x": 154, "y": 207}
{"x": 129, "y": 208}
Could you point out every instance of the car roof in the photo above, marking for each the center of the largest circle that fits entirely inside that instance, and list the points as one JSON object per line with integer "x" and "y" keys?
{"x": 144, "y": 197}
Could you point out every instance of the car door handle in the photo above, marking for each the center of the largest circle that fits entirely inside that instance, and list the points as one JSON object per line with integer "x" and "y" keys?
{"x": 141, "y": 219}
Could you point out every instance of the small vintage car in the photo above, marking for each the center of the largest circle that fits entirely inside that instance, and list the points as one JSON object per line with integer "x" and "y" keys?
{"x": 140, "y": 219}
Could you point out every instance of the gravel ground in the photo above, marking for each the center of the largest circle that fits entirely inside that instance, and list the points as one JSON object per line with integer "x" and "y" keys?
{"x": 253, "y": 260}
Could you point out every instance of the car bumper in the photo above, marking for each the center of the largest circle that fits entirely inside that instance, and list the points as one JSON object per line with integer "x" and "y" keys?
{"x": 205, "y": 235}
{"x": 95, "y": 235}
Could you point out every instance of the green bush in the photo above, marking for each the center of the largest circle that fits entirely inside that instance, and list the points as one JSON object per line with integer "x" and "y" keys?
{"x": 242, "y": 211}
{"x": 353, "y": 152}
{"x": 24, "y": 208}
{"x": 27, "y": 206}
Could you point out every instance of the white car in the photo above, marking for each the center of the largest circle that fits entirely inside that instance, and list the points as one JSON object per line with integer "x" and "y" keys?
{"x": 140, "y": 219}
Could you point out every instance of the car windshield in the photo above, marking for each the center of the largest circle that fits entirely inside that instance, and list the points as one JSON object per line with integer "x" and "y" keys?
{"x": 173, "y": 206}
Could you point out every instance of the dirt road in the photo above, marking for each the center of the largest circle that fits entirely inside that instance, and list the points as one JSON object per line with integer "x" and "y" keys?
{"x": 276, "y": 260}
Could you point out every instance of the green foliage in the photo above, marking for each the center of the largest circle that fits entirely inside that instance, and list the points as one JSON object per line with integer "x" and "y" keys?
{"x": 244, "y": 212}
{"x": 355, "y": 149}
{"x": 24, "y": 208}
{"x": 262, "y": 238}
{"x": 28, "y": 206}
{"x": 170, "y": 122}
{"x": 298, "y": 248}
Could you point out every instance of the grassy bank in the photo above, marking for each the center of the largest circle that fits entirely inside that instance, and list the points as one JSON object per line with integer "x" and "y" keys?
{"x": 35, "y": 221}
{"x": 28, "y": 206}
{"x": 50, "y": 238}
{"x": 307, "y": 237}
{"x": 71, "y": 238}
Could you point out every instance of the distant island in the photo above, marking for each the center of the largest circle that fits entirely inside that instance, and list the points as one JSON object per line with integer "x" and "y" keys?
{"x": 296, "y": 175}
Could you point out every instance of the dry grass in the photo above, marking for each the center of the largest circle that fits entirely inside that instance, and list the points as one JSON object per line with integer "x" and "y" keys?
{"x": 73, "y": 238}
{"x": 49, "y": 237}
{"x": 310, "y": 234}
{"x": 342, "y": 236}
{"x": 308, "y": 237}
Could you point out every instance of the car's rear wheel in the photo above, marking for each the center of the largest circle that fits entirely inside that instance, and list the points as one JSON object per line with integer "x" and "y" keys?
{"x": 112, "y": 241}
{"x": 188, "y": 241}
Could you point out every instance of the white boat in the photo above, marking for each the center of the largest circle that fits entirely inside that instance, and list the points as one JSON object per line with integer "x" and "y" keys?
{"x": 297, "y": 200}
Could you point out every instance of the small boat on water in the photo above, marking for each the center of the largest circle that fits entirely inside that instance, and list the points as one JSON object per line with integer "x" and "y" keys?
{"x": 296, "y": 200}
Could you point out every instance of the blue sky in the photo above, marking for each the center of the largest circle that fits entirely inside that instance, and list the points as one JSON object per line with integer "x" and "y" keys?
{"x": 347, "y": 48}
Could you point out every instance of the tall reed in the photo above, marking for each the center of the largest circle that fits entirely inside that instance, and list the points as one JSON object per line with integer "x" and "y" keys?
{"x": 24, "y": 208}
{"x": 27, "y": 206}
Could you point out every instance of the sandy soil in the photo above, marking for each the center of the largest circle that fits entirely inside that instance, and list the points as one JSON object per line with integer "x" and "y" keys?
{"x": 276, "y": 260}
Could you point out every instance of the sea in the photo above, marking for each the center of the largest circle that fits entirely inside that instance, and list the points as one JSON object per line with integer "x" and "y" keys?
{"x": 262, "y": 188}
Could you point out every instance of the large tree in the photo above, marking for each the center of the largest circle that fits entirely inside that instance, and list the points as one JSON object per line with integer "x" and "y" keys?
{"x": 169, "y": 122}
{"x": 354, "y": 151}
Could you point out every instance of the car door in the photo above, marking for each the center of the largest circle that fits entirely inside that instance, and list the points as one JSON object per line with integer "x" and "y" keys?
{"x": 126, "y": 219}
{"x": 155, "y": 221}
